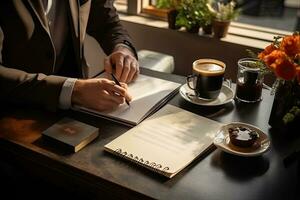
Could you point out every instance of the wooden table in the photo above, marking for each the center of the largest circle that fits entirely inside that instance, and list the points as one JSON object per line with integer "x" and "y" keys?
{"x": 96, "y": 173}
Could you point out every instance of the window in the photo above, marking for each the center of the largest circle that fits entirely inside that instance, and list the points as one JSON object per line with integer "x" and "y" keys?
{"x": 277, "y": 14}
{"x": 152, "y": 2}
{"x": 121, "y": 2}
{"x": 121, "y": 5}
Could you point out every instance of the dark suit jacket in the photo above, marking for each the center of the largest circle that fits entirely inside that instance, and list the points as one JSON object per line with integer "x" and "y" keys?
{"x": 27, "y": 54}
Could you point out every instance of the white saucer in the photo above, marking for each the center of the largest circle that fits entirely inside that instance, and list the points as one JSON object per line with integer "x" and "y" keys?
{"x": 226, "y": 95}
{"x": 222, "y": 141}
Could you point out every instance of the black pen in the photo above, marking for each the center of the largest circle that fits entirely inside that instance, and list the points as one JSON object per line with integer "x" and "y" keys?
{"x": 118, "y": 83}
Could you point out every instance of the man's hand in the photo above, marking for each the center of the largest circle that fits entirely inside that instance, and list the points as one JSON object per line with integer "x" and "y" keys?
{"x": 125, "y": 65}
{"x": 99, "y": 94}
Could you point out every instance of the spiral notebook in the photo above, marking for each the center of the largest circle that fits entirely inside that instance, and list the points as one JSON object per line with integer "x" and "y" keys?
{"x": 148, "y": 95}
{"x": 166, "y": 142}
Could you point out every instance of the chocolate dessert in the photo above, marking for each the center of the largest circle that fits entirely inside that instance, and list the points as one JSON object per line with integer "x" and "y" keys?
{"x": 242, "y": 136}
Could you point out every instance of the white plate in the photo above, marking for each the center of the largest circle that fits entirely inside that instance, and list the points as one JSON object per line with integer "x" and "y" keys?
{"x": 222, "y": 141}
{"x": 226, "y": 95}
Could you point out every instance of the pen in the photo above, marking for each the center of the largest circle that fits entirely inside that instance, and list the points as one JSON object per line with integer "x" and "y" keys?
{"x": 118, "y": 83}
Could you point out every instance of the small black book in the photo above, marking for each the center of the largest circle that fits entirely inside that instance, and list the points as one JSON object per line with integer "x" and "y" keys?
{"x": 71, "y": 134}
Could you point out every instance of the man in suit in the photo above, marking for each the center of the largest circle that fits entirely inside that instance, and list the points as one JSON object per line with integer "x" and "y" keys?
{"x": 41, "y": 53}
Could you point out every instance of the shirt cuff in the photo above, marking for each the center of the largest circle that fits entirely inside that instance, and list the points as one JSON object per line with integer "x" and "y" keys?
{"x": 66, "y": 94}
{"x": 123, "y": 45}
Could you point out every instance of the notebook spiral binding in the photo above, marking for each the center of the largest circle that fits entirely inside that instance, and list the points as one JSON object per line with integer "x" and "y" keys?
{"x": 152, "y": 165}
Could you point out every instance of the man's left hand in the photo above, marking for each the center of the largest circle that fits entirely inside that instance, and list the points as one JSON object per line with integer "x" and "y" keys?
{"x": 126, "y": 66}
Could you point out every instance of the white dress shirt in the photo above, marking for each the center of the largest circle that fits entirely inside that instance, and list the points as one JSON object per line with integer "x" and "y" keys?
{"x": 55, "y": 11}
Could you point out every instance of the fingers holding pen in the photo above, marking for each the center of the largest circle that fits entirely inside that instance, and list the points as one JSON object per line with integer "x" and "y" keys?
{"x": 99, "y": 94}
{"x": 116, "y": 89}
{"x": 127, "y": 95}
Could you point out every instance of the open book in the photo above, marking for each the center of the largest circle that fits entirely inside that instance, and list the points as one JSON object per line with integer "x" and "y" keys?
{"x": 166, "y": 142}
{"x": 148, "y": 95}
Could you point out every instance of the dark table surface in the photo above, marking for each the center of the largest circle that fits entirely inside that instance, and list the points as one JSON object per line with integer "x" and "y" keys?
{"x": 219, "y": 175}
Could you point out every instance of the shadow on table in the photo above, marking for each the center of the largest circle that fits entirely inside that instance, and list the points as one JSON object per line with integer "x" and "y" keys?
{"x": 54, "y": 147}
{"x": 240, "y": 168}
{"x": 207, "y": 111}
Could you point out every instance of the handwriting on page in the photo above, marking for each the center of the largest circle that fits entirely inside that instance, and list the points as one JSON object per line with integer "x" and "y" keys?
{"x": 178, "y": 137}
{"x": 163, "y": 138}
{"x": 167, "y": 141}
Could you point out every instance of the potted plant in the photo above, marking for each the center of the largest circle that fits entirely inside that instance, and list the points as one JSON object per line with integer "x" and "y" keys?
{"x": 192, "y": 14}
{"x": 171, "y": 6}
{"x": 223, "y": 14}
{"x": 207, "y": 18}
{"x": 282, "y": 59}
{"x": 167, "y": 3}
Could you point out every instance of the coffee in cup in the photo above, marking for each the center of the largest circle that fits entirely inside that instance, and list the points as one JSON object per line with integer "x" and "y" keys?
{"x": 250, "y": 80}
{"x": 207, "y": 78}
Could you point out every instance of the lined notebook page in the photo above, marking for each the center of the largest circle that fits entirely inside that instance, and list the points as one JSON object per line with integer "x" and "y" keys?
{"x": 147, "y": 92}
{"x": 166, "y": 142}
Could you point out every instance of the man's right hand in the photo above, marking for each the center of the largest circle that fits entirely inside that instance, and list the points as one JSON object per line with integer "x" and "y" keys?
{"x": 99, "y": 94}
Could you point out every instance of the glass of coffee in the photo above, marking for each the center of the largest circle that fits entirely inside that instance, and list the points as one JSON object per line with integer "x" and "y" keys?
{"x": 207, "y": 78}
{"x": 249, "y": 81}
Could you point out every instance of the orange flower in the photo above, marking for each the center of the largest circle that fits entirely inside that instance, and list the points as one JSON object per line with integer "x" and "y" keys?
{"x": 266, "y": 51}
{"x": 291, "y": 45}
{"x": 271, "y": 59}
{"x": 285, "y": 69}
{"x": 283, "y": 57}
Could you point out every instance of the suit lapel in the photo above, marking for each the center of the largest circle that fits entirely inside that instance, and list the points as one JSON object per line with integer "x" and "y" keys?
{"x": 79, "y": 18}
{"x": 37, "y": 7}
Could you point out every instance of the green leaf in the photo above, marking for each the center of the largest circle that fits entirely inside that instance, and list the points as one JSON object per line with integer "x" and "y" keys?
{"x": 288, "y": 117}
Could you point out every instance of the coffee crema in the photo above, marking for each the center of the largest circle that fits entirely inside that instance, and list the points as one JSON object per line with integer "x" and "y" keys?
{"x": 208, "y": 67}
{"x": 207, "y": 78}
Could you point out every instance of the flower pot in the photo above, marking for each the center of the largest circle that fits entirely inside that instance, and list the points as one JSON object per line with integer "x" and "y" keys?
{"x": 172, "y": 14}
{"x": 220, "y": 28}
{"x": 286, "y": 97}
